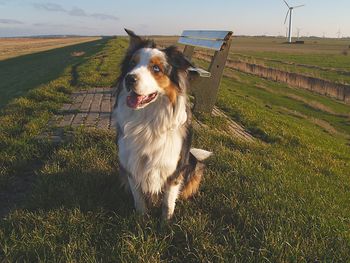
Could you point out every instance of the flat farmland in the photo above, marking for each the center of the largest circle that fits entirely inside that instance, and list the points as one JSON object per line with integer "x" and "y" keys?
{"x": 327, "y": 59}
{"x": 13, "y": 47}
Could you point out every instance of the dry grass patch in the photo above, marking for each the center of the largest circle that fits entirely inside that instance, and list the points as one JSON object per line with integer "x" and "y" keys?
{"x": 326, "y": 126}
{"x": 77, "y": 53}
{"x": 13, "y": 47}
{"x": 263, "y": 87}
{"x": 315, "y": 105}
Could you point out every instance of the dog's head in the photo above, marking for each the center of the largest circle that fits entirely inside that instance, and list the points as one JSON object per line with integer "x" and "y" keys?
{"x": 149, "y": 72}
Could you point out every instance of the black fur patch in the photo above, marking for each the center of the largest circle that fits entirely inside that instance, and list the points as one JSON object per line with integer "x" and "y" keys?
{"x": 187, "y": 161}
{"x": 178, "y": 62}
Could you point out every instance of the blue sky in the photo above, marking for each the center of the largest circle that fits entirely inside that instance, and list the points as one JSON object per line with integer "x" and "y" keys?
{"x": 109, "y": 17}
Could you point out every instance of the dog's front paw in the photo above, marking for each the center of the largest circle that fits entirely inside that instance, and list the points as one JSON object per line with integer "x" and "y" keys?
{"x": 141, "y": 209}
{"x": 167, "y": 213}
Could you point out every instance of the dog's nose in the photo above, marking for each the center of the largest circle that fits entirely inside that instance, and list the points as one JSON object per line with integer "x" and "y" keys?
{"x": 130, "y": 80}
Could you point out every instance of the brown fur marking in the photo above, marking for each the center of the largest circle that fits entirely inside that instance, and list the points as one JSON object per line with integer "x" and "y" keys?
{"x": 163, "y": 80}
{"x": 192, "y": 185}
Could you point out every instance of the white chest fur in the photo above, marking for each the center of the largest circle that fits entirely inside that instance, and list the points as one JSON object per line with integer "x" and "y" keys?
{"x": 151, "y": 140}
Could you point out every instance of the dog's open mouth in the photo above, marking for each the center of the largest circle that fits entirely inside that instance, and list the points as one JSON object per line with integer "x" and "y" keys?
{"x": 135, "y": 100}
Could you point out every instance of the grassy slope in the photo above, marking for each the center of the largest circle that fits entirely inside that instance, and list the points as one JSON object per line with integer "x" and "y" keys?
{"x": 26, "y": 117}
{"x": 21, "y": 74}
{"x": 279, "y": 200}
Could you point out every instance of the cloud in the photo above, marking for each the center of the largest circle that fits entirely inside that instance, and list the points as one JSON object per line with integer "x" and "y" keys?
{"x": 48, "y": 25}
{"x": 10, "y": 21}
{"x": 104, "y": 16}
{"x": 49, "y": 7}
{"x": 75, "y": 11}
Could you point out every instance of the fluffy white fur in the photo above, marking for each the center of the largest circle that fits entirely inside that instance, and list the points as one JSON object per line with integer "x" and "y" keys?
{"x": 152, "y": 136}
{"x": 200, "y": 154}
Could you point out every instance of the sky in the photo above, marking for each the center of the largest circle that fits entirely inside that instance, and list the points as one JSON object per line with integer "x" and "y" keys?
{"x": 165, "y": 17}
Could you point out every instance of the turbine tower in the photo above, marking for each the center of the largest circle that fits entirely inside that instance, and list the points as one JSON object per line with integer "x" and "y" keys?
{"x": 339, "y": 33}
{"x": 290, "y": 12}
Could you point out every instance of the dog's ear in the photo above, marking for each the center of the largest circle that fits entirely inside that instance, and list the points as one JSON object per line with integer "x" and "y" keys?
{"x": 177, "y": 58}
{"x": 135, "y": 40}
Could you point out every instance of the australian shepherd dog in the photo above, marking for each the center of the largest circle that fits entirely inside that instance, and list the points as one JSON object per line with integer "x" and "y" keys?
{"x": 153, "y": 121}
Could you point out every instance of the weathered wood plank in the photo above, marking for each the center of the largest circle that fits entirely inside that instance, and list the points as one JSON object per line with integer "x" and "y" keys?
{"x": 206, "y": 34}
{"x": 205, "y": 43}
{"x": 203, "y": 73}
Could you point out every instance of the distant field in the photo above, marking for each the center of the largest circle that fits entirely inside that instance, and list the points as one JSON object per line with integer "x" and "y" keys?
{"x": 322, "y": 58}
{"x": 13, "y": 47}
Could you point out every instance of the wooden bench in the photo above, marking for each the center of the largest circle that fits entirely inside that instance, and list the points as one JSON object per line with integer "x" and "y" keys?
{"x": 205, "y": 88}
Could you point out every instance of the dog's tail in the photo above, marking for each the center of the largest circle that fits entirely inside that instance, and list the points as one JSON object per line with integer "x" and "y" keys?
{"x": 193, "y": 175}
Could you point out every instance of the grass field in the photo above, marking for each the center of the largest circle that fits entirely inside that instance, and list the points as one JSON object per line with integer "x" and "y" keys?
{"x": 14, "y": 47}
{"x": 321, "y": 58}
{"x": 23, "y": 73}
{"x": 283, "y": 198}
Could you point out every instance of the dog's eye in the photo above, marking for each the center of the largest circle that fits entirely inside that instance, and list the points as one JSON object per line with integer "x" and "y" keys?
{"x": 156, "y": 68}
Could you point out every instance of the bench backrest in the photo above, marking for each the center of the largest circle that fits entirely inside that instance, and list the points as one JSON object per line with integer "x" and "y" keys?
{"x": 209, "y": 39}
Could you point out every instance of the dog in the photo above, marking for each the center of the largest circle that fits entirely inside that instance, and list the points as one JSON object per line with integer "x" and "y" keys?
{"x": 153, "y": 122}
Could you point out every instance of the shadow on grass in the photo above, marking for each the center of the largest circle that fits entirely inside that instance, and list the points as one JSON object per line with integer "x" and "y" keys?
{"x": 81, "y": 173}
{"x": 20, "y": 74}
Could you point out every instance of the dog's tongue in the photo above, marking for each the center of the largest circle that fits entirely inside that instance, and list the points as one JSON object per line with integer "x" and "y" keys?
{"x": 134, "y": 100}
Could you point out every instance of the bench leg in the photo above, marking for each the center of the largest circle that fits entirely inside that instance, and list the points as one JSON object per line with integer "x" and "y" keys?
{"x": 206, "y": 89}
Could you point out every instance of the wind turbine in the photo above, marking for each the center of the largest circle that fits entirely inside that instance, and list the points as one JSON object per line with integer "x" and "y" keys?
{"x": 298, "y": 32}
{"x": 339, "y": 33}
{"x": 290, "y": 12}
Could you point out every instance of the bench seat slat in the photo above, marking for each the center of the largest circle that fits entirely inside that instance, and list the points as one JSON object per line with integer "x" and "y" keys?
{"x": 205, "y": 43}
{"x": 206, "y": 34}
{"x": 203, "y": 73}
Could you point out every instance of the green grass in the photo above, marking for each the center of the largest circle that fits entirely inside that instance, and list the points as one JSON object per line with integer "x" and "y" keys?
{"x": 336, "y": 61}
{"x": 20, "y": 74}
{"x": 26, "y": 117}
{"x": 281, "y": 199}
{"x": 332, "y": 67}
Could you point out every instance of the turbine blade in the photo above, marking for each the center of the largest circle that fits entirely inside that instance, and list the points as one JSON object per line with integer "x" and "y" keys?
{"x": 286, "y": 3}
{"x": 285, "y": 20}
{"x": 298, "y": 6}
